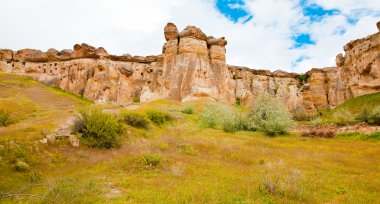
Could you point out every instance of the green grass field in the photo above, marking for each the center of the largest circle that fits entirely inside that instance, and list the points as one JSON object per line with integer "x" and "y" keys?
{"x": 178, "y": 162}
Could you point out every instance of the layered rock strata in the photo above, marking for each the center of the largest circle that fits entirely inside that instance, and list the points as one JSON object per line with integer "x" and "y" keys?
{"x": 192, "y": 66}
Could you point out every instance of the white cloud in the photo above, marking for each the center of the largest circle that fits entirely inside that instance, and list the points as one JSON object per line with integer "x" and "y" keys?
{"x": 136, "y": 27}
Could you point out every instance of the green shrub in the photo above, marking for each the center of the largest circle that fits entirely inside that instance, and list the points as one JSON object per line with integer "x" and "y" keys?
{"x": 238, "y": 101}
{"x": 5, "y": 119}
{"x": 158, "y": 117}
{"x": 34, "y": 177}
{"x": 225, "y": 117}
{"x": 99, "y": 129}
{"x": 302, "y": 78}
{"x": 343, "y": 117}
{"x": 136, "y": 99}
{"x": 135, "y": 119}
{"x": 300, "y": 114}
{"x": 22, "y": 166}
{"x": 270, "y": 116}
{"x": 151, "y": 160}
{"x": 370, "y": 117}
{"x": 188, "y": 110}
{"x": 187, "y": 149}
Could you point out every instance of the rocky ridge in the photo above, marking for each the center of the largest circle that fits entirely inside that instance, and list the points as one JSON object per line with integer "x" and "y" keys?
{"x": 192, "y": 66}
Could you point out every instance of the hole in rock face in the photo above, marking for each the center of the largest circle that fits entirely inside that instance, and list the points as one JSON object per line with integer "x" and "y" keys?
{"x": 142, "y": 74}
{"x": 23, "y": 63}
{"x": 44, "y": 70}
{"x": 55, "y": 64}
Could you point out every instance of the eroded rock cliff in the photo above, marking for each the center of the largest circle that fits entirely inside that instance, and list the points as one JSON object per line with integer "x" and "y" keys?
{"x": 192, "y": 66}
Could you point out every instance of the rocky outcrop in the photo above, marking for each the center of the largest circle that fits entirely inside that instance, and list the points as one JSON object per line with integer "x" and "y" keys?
{"x": 359, "y": 68}
{"x": 192, "y": 66}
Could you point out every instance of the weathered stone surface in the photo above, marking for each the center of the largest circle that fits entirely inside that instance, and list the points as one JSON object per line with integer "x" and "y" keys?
{"x": 378, "y": 25}
{"x": 6, "y": 55}
{"x": 84, "y": 51}
{"x": 360, "y": 71}
{"x": 171, "y": 32}
{"x": 339, "y": 60}
{"x": 217, "y": 53}
{"x": 281, "y": 73}
{"x": 193, "y": 32}
{"x": 193, "y": 66}
{"x": 30, "y": 55}
{"x": 193, "y": 45}
{"x": 101, "y": 52}
{"x": 216, "y": 41}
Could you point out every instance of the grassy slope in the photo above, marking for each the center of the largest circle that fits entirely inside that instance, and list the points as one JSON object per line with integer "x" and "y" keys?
{"x": 196, "y": 165}
{"x": 357, "y": 104}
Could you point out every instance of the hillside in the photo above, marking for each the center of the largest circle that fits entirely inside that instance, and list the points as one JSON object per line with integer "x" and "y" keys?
{"x": 354, "y": 110}
{"x": 177, "y": 162}
{"x": 360, "y": 103}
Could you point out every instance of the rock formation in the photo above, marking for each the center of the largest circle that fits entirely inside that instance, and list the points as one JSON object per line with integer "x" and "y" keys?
{"x": 359, "y": 68}
{"x": 192, "y": 66}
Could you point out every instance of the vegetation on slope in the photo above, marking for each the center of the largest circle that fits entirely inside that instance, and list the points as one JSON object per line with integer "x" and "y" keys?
{"x": 178, "y": 162}
{"x": 364, "y": 108}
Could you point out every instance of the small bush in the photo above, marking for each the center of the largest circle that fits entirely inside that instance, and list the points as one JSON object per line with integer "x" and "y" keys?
{"x": 187, "y": 149}
{"x": 225, "y": 117}
{"x": 270, "y": 116}
{"x": 370, "y": 117}
{"x": 135, "y": 119}
{"x": 136, "y": 99}
{"x": 188, "y": 110}
{"x": 238, "y": 101}
{"x": 158, "y": 117}
{"x": 300, "y": 114}
{"x": 343, "y": 117}
{"x": 151, "y": 160}
{"x": 22, "y": 166}
{"x": 100, "y": 130}
{"x": 35, "y": 177}
{"x": 5, "y": 119}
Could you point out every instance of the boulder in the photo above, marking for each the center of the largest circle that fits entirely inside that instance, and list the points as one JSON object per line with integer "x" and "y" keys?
{"x": 378, "y": 25}
{"x": 6, "y": 55}
{"x": 339, "y": 60}
{"x": 52, "y": 54}
{"x": 101, "y": 52}
{"x": 171, "y": 32}
{"x": 50, "y": 138}
{"x": 74, "y": 141}
{"x": 30, "y": 55}
{"x": 216, "y": 41}
{"x": 193, "y": 32}
{"x": 84, "y": 51}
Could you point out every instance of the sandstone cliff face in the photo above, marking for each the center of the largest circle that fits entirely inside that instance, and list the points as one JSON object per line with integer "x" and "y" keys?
{"x": 192, "y": 66}
{"x": 359, "y": 68}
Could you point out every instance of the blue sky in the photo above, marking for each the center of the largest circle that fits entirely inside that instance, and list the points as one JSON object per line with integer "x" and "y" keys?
{"x": 293, "y": 35}
{"x": 313, "y": 13}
